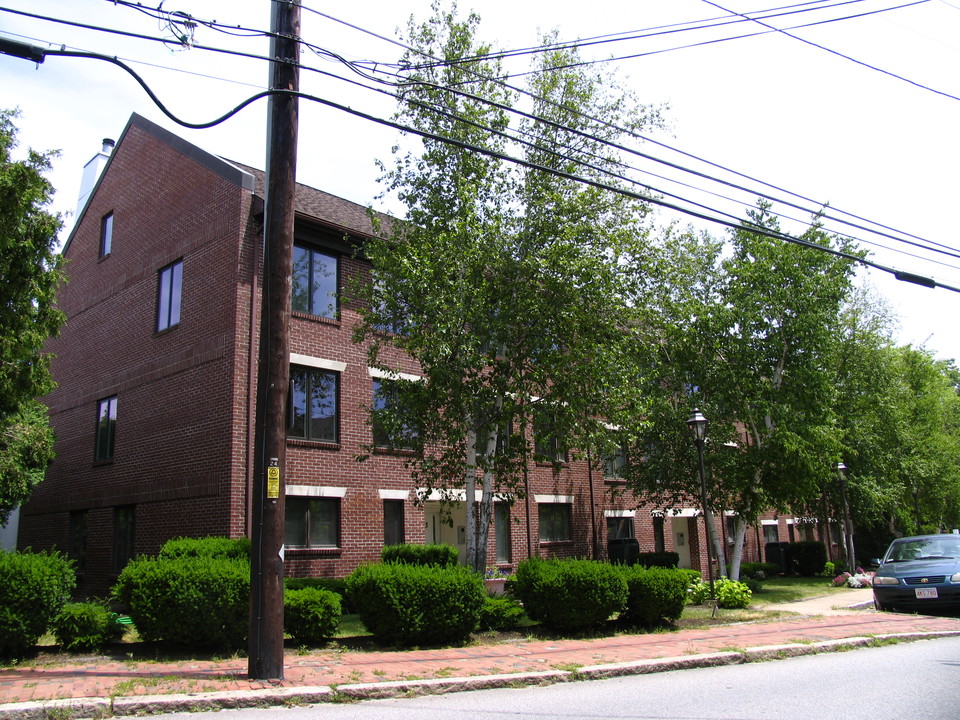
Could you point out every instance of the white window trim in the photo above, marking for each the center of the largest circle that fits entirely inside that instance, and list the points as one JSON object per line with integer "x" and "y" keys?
{"x": 394, "y": 494}
{"x": 568, "y": 499}
{"x": 679, "y": 513}
{"x": 391, "y": 375}
{"x": 315, "y": 362}
{"x": 619, "y": 513}
{"x": 769, "y": 522}
{"x": 455, "y": 495}
{"x": 316, "y": 491}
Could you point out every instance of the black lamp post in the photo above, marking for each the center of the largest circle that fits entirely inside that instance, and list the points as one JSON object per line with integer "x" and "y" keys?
{"x": 847, "y": 520}
{"x": 698, "y": 426}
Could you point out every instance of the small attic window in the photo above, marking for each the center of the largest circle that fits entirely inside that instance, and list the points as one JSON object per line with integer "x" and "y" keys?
{"x": 106, "y": 234}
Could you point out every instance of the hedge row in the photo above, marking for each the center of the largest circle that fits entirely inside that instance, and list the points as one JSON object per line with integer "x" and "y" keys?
{"x": 33, "y": 589}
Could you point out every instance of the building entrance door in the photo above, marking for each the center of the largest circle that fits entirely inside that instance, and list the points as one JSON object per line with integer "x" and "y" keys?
{"x": 439, "y": 529}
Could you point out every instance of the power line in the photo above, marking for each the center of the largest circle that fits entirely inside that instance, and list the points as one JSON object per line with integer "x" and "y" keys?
{"x": 38, "y": 55}
{"x": 842, "y": 55}
{"x": 616, "y": 176}
{"x": 353, "y": 66}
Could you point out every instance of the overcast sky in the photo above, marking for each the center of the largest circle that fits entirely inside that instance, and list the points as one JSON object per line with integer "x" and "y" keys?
{"x": 858, "y": 112}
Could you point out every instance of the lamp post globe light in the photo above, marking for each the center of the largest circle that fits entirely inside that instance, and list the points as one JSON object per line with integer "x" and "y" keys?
{"x": 698, "y": 427}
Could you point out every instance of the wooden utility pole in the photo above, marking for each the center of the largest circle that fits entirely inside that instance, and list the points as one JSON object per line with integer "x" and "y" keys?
{"x": 266, "y": 558}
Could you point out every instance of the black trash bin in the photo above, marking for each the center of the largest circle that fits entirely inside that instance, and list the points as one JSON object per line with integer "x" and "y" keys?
{"x": 779, "y": 553}
{"x": 624, "y": 551}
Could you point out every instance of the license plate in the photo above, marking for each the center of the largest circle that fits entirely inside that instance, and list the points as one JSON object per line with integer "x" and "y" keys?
{"x": 926, "y": 593}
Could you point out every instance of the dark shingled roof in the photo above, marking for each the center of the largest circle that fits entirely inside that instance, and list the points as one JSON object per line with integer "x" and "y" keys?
{"x": 323, "y": 207}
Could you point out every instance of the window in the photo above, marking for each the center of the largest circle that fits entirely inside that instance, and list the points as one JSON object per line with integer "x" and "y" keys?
{"x": 619, "y": 528}
{"x": 168, "y": 296}
{"x": 731, "y": 522}
{"x": 659, "y": 545}
{"x": 614, "y": 463}
{"x": 313, "y": 404}
{"x": 390, "y": 428}
{"x": 106, "y": 428}
{"x": 106, "y": 234}
{"x": 77, "y": 539}
{"x": 312, "y": 522}
{"x": 554, "y": 521}
{"x": 501, "y": 527}
{"x": 315, "y": 282}
{"x": 548, "y": 446}
{"x": 123, "y": 520}
{"x": 771, "y": 533}
{"x": 393, "y": 522}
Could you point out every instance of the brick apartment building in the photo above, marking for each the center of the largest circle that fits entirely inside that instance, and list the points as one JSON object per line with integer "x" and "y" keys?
{"x": 154, "y": 407}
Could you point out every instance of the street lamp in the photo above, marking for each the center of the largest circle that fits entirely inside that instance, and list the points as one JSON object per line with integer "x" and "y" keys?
{"x": 847, "y": 521}
{"x": 698, "y": 426}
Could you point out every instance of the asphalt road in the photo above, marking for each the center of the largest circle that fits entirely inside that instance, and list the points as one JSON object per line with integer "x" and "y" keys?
{"x": 917, "y": 680}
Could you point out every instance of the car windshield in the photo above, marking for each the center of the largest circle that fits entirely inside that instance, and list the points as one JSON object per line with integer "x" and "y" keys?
{"x": 924, "y": 549}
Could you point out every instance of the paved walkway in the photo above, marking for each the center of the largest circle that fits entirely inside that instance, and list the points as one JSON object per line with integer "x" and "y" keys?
{"x": 98, "y": 686}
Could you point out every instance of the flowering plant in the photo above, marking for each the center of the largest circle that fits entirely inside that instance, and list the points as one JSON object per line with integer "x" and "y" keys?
{"x": 495, "y": 573}
{"x": 860, "y": 580}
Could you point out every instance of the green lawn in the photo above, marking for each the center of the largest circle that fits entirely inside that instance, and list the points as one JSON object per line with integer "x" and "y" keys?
{"x": 790, "y": 589}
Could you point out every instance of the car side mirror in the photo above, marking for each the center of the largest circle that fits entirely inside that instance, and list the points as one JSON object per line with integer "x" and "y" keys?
{"x": 876, "y": 562}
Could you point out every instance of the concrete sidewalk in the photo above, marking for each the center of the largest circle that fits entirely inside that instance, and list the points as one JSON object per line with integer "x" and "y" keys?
{"x": 97, "y": 687}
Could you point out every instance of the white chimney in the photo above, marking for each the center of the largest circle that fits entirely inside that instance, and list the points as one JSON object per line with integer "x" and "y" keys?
{"x": 91, "y": 173}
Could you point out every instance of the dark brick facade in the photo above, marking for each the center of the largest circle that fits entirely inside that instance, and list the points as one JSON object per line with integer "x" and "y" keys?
{"x": 182, "y": 459}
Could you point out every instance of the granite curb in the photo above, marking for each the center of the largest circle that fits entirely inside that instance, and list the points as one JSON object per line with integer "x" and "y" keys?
{"x": 294, "y": 696}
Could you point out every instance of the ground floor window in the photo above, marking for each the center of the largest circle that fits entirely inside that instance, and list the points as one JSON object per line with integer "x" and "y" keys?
{"x": 393, "y": 528}
{"x": 659, "y": 543}
{"x": 554, "y": 521}
{"x": 123, "y": 521}
{"x": 501, "y": 526}
{"x": 771, "y": 533}
{"x": 77, "y": 539}
{"x": 619, "y": 528}
{"x": 312, "y": 522}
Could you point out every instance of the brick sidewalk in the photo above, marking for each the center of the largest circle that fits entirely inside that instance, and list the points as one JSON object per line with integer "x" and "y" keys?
{"x": 111, "y": 678}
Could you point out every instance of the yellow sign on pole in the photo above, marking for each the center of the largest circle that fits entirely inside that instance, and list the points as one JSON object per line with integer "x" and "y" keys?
{"x": 273, "y": 482}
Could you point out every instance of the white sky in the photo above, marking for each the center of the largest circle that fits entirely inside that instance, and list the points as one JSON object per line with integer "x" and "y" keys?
{"x": 771, "y": 107}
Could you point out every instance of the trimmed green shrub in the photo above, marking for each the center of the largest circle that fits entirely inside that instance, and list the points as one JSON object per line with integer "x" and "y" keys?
{"x": 659, "y": 559}
{"x": 829, "y": 570}
{"x": 499, "y": 613}
{"x": 754, "y": 585}
{"x": 199, "y": 601}
{"x": 33, "y": 589}
{"x": 403, "y": 604}
{"x": 758, "y": 570}
{"x": 809, "y": 557}
{"x": 238, "y": 548}
{"x": 335, "y": 585}
{"x": 730, "y": 594}
{"x": 440, "y": 555}
{"x": 655, "y": 595}
{"x": 570, "y": 594}
{"x": 310, "y": 615}
{"x": 82, "y": 626}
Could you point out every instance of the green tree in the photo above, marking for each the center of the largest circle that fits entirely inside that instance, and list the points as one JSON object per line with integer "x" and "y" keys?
{"x": 30, "y": 273}
{"x": 505, "y": 285}
{"x": 752, "y": 340}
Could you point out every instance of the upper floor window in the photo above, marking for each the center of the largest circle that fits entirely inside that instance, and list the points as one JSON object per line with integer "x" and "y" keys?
{"x": 106, "y": 234}
{"x": 168, "y": 296}
{"x": 315, "y": 282}
{"x": 391, "y": 428}
{"x": 313, "y": 404}
{"x": 548, "y": 445}
{"x": 106, "y": 428}
{"x": 615, "y": 463}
